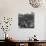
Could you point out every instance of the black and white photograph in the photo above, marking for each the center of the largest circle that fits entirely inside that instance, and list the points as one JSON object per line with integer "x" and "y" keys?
{"x": 26, "y": 20}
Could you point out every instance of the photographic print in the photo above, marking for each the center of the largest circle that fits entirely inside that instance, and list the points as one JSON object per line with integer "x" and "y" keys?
{"x": 26, "y": 20}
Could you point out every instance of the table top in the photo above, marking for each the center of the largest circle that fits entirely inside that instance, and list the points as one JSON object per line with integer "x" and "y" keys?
{"x": 26, "y": 41}
{"x": 44, "y": 41}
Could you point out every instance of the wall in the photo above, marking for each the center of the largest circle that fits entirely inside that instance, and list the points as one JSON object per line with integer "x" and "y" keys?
{"x": 11, "y": 8}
